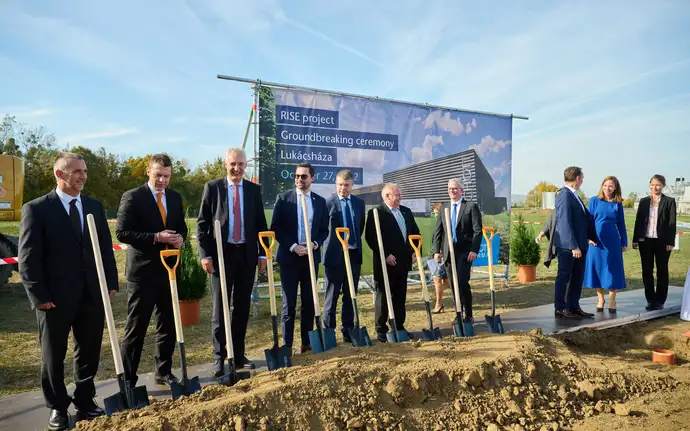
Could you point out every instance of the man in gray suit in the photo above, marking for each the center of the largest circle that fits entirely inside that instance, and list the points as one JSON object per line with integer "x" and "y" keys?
{"x": 466, "y": 221}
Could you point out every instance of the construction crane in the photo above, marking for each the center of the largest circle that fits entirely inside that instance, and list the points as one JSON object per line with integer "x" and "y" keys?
{"x": 11, "y": 200}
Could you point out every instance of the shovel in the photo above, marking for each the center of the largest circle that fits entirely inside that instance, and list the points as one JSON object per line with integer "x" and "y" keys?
{"x": 432, "y": 333}
{"x": 233, "y": 376}
{"x": 460, "y": 327}
{"x": 128, "y": 397}
{"x": 358, "y": 335}
{"x": 276, "y": 357}
{"x": 493, "y": 322}
{"x": 188, "y": 386}
{"x": 393, "y": 336}
{"x": 322, "y": 338}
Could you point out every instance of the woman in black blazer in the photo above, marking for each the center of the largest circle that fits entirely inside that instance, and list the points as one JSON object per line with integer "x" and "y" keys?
{"x": 655, "y": 236}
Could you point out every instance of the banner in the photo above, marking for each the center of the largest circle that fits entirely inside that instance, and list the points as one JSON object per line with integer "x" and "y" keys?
{"x": 418, "y": 147}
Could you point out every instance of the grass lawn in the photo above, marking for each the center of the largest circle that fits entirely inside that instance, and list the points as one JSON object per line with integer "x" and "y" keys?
{"x": 20, "y": 354}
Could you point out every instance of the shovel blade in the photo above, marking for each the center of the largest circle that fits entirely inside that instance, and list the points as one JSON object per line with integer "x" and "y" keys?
{"x": 360, "y": 338}
{"x": 277, "y": 357}
{"x": 114, "y": 403}
{"x": 457, "y": 330}
{"x": 329, "y": 340}
{"x": 437, "y": 333}
{"x": 179, "y": 389}
{"x": 468, "y": 328}
{"x": 495, "y": 325}
{"x": 431, "y": 335}
{"x": 315, "y": 341}
{"x": 138, "y": 397}
{"x": 233, "y": 377}
{"x": 401, "y": 336}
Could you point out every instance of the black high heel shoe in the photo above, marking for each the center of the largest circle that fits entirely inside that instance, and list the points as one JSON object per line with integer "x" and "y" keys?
{"x": 440, "y": 310}
{"x": 600, "y": 309}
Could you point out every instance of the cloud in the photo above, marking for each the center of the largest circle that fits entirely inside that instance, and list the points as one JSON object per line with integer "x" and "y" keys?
{"x": 425, "y": 151}
{"x": 500, "y": 170}
{"x": 368, "y": 159}
{"x": 27, "y": 112}
{"x": 443, "y": 122}
{"x": 109, "y": 133}
{"x": 489, "y": 145}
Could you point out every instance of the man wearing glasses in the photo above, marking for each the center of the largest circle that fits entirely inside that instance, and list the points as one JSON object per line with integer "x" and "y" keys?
{"x": 290, "y": 229}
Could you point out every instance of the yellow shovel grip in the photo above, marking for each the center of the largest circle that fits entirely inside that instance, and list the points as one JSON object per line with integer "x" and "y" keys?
{"x": 415, "y": 246}
{"x": 488, "y": 233}
{"x": 267, "y": 248}
{"x": 343, "y": 239}
{"x": 168, "y": 253}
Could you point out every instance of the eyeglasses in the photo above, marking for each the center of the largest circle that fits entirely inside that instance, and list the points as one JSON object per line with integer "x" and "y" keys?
{"x": 301, "y": 176}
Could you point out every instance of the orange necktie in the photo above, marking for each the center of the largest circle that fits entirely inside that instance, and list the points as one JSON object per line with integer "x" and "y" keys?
{"x": 161, "y": 208}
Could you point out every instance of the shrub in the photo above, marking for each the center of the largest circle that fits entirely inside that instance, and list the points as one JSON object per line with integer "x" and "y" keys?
{"x": 523, "y": 248}
{"x": 193, "y": 281}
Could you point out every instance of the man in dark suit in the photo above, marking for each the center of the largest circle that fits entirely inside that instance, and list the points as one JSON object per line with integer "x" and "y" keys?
{"x": 238, "y": 205}
{"x": 466, "y": 225}
{"x": 344, "y": 210}
{"x": 150, "y": 219}
{"x": 288, "y": 225}
{"x": 397, "y": 223}
{"x": 58, "y": 270}
{"x": 574, "y": 230}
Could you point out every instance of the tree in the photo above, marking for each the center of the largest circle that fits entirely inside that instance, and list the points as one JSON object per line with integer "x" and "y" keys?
{"x": 629, "y": 202}
{"x": 534, "y": 196}
{"x": 583, "y": 197}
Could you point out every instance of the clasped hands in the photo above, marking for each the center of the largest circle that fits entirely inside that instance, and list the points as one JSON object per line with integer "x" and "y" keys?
{"x": 301, "y": 249}
{"x": 471, "y": 257}
{"x": 170, "y": 237}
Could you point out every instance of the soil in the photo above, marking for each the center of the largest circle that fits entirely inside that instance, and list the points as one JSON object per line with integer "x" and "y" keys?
{"x": 588, "y": 380}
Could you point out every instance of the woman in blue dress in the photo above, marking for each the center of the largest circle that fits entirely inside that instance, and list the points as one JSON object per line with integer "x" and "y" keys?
{"x": 604, "y": 265}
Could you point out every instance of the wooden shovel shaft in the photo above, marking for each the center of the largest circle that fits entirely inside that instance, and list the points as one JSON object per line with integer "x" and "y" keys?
{"x": 420, "y": 265}
{"x": 346, "y": 256}
{"x": 488, "y": 233}
{"x": 451, "y": 249}
{"x": 172, "y": 276}
{"x": 269, "y": 267}
{"x": 112, "y": 332}
{"x": 310, "y": 254}
{"x": 224, "y": 291}
{"x": 382, "y": 254}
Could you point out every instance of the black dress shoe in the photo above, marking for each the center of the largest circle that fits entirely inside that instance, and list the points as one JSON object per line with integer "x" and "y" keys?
{"x": 218, "y": 368}
{"x": 657, "y": 307}
{"x": 381, "y": 337}
{"x": 88, "y": 410}
{"x": 582, "y": 313}
{"x": 245, "y": 363}
{"x": 567, "y": 314}
{"x": 166, "y": 380}
{"x": 59, "y": 420}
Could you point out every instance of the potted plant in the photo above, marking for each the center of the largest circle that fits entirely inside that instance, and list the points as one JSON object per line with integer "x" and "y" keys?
{"x": 524, "y": 251}
{"x": 192, "y": 285}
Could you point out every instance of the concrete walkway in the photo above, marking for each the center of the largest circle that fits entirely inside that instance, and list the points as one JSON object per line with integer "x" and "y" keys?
{"x": 27, "y": 411}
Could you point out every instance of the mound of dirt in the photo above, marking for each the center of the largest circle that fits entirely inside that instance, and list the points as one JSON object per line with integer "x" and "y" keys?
{"x": 517, "y": 381}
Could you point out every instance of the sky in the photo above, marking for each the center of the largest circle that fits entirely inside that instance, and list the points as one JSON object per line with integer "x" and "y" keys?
{"x": 606, "y": 85}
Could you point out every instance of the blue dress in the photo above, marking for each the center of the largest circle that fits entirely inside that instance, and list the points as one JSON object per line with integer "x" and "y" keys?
{"x": 604, "y": 263}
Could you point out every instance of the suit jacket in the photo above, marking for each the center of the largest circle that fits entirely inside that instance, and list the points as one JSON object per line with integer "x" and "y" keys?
{"x": 665, "y": 223}
{"x": 214, "y": 206}
{"x": 284, "y": 224}
{"x": 54, "y": 263}
{"x": 468, "y": 230}
{"x": 392, "y": 239}
{"x": 333, "y": 250}
{"x": 574, "y": 226}
{"x": 138, "y": 219}
{"x": 549, "y": 229}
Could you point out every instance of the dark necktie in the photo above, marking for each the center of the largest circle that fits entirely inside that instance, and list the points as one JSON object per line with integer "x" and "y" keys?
{"x": 349, "y": 221}
{"x": 74, "y": 217}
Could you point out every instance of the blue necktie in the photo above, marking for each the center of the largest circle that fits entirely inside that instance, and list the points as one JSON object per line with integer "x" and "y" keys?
{"x": 401, "y": 221}
{"x": 453, "y": 222}
{"x": 300, "y": 219}
{"x": 347, "y": 220}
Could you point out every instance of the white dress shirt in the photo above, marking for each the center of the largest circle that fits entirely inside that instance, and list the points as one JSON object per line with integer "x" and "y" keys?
{"x": 155, "y": 192}
{"x": 576, "y": 197}
{"x": 66, "y": 199}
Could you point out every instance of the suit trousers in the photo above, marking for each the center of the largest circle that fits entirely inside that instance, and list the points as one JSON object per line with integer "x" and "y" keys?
{"x": 571, "y": 274}
{"x": 464, "y": 269}
{"x": 239, "y": 275}
{"x": 85, "y": 319}
{"x": 398, "y": 285}
{"x": 292, "y": 275}
{"x": 336, "y": 281}
{"x": 651, "y": 250}
{"x": 145, "y": 298}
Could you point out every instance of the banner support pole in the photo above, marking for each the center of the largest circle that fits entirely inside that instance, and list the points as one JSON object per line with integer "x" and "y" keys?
{"x": 258, "y": 82}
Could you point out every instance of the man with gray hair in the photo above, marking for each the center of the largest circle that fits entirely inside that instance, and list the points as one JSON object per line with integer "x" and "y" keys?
{"x": 397, "y": 223}
{"x": 57, "y": 266}
{"x": 466, "y": 228}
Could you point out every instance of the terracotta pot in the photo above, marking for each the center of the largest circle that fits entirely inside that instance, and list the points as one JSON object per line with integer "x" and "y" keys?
{"x": 189, "y": 312}
{"x": 663, "y": 356}
{"x": 527, "y": 273}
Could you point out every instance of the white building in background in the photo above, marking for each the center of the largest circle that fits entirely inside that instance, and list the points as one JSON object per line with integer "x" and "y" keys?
{"x": 548, "y": 200}
{"x": 680, "y": 191}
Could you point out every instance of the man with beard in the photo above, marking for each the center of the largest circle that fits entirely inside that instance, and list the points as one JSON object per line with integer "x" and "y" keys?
{"x": 238, "y": 204}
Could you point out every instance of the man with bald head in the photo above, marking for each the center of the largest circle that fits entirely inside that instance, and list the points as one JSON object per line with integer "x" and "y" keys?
{"x": 397, "y": 223}
{"x": 57, "y": 266}
{"x": 466, "y": 228}
{"x": 238, "y": 204}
